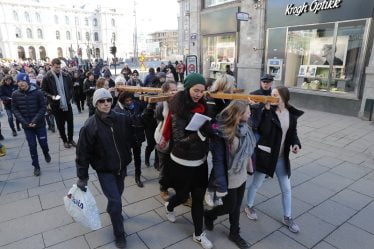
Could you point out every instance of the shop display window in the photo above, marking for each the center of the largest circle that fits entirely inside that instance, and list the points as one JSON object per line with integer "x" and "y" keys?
{"x": 325, "y": 57}
{"x": 218, "y": 52}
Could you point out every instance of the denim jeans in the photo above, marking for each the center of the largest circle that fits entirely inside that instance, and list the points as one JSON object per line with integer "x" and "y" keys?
{"x": 113, "y": 186}
{"x": 31, "y": 136}
{"x": 284, "y": 184}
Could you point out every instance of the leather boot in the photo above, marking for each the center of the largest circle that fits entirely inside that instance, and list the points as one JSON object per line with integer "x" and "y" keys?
{"x": 147, "y": 156}
{"x": 139, "y": 182}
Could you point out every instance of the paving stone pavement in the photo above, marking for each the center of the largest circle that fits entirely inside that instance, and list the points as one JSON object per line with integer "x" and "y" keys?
{"x": 333, "y": 197}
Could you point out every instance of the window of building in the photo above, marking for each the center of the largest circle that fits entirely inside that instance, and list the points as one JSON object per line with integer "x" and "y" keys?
{"x": 37, "y": 16}
{"x": 76, "y": 21}
{"x": 113, "y": 22}
{"x": 87, "y": 36}
{"x": 218, "y": 51}
{"x": 29, "y": 33}
{"x": 79, "y": 36}
{"x": 210, "y": 3}
{"x": 56, "y": 19}
{"x": 68, "y": 37}
{"x": 86, "y": 21}
{"x": 96, "y": 36}
{"x": 58, "y": 37}
{"x": 39, "y": 33}
{"x": 27, "y": 17}
{"x": 67, "y": 21}
{"x": 18, "y": 33}
{"x": 94, "y": 22}
{"x": 15, "y": 15}
{"x": 318, "y": 60}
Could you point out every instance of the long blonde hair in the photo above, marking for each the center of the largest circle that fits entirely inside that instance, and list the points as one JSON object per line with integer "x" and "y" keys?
{"x": 222, "y": 84}
{"x": 229, "y": 118}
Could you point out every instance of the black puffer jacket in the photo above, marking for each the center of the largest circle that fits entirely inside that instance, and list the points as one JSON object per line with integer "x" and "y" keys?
{"x": 256, "y": 109}
{"x": 104, "y": 143}
{"x": 6, "y": 94}
{"x": 271, "y": 136}
{"x": 50, "y": 89}
{"x": 29, "y": 107}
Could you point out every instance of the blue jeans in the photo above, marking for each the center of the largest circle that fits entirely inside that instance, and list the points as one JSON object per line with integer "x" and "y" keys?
{"x": 112, "y": 186}
{"x": 284, "y": 184}
{"x": 31, "y": 136}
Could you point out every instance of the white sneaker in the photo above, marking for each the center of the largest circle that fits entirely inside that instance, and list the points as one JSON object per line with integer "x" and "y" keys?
{"x": 251, "y": 213}
{"x": 203, "y": 241}
{"x": 169, "y": 215}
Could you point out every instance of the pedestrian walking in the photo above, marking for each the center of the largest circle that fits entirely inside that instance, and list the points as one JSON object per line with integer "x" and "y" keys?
{"x": 89, "y": 88}
{"x": 278, "y": 135}
{"x": 7, "y": 88}
{"x": 134, "y": 79}
{"x": 79, "y": 96}
{"x": 188, "y": 154}
{"x": 29, "y": 107}
{"x": 58, "y": 87}
{"x": 232, "y": 148}
{"x": 133, "y": 108}
{"x": 104, "y": 143}
{"x": 150, "y": 77}
{"x": 181, "y": 68}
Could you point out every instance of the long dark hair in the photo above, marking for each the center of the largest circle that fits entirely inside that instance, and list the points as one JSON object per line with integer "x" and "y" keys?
{"x": 8, "y": 77}
{"x": 182, "y": 104}
{"x": 284, "y": 94}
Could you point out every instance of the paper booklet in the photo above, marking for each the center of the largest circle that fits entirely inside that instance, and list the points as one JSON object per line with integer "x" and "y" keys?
{"x": 197, "y": 121}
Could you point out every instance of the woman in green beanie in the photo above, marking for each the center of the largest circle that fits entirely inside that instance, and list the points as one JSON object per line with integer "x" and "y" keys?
{"x": 189, "y": 150}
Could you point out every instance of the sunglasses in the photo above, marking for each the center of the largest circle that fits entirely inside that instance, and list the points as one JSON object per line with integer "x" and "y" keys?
{"x": 102, "y": 101}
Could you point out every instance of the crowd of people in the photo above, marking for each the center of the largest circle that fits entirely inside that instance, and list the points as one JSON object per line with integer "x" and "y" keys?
{"x": 248, "y": 141}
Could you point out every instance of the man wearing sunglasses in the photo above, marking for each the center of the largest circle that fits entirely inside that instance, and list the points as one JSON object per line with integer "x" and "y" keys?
{"x": 104, "y": 143}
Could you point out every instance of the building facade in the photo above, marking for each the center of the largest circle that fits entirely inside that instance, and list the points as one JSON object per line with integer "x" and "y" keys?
{"x": 168, "y": 43}
{"x": 321, "y": 49}
{"x": 41, "y": 30}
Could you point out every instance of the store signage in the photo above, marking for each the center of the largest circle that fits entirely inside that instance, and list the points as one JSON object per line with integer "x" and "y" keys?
{"x": 315, "y": 7}
{"x": 191, "y": 64}
{"x": 242, "y": 16}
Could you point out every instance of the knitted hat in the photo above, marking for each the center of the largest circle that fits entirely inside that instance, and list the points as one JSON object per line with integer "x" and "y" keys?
{"x": 120, "y": 79}
{"x": 193, "y": 79}
{"x": 23, "y": 77}
{"x": 101, "y": 93}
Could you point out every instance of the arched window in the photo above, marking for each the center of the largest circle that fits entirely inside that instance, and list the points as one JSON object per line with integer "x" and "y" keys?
{"x": 57, "y": 35}
{"x": 96, "y": 36}
{"x": 86, "y": 21}
{"x": 29, "y": 33}
{"x": 18, "y": 33}
{"x": 56, "y": 19}
{"x": 87, "y": 36}
{"x": 27, "y": 16}
{"x": 94, "y": 22}
{"x": 15, "y": 15}
{"x": 76, "y": 21}
{"x": 79, "y": 36}
{"x": 37, "y": 17}
{"x": 68, "y": 37}
{"x": 67, "y": 21}
{"x": 113, "y": 22}
{"x": 39, "y": 33}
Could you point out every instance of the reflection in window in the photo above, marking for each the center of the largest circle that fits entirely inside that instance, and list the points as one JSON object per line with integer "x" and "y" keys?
{"x": 209, "y": 3}
{"x": 40, "y": 34}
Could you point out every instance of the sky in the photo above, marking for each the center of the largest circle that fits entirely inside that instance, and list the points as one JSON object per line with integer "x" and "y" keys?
{"x": 152, "y": 15}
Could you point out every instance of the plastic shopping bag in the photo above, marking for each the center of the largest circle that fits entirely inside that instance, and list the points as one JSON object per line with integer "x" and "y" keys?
{"x": 82, "y": 207}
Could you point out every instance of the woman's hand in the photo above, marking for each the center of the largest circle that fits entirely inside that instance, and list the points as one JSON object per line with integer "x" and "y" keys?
{"x": 267, "y": 106}
{"x": 295, "y": 149}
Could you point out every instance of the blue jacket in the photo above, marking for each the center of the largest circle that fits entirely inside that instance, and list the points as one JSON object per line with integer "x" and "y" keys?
{"x": 29, "y": 107}
{"x": 6, "y": 94}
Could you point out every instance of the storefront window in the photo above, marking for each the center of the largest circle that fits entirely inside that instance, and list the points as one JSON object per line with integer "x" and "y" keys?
{"x": 318, "y": 60}
{"x": 218, "y": 51}
{"x": 210, "y": 3}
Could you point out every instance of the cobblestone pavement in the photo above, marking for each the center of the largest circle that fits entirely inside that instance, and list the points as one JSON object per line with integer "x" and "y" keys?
{"x": 333, "y": 197}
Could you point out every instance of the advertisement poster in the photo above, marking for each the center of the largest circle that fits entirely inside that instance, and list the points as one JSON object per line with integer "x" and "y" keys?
{"x": 191, "y": 64}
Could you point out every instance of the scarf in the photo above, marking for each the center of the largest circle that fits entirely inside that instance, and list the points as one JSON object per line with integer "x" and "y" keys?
{"x": 61, "y": 91}
{"x": 247, "y": 143}
{"x": 166, "y": 133}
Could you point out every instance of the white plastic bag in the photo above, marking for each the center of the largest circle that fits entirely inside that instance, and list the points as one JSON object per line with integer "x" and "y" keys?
{"x": 82, "y": 207}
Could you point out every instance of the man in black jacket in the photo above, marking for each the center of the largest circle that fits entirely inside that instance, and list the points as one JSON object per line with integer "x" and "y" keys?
{"x": 58, "y": 87}
{"x": 104, "y": 143}
{"x": 28, "y": 105}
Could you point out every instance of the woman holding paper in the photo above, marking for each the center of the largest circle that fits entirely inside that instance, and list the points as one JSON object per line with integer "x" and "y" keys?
{"x": 189, "y": 149}
{"x": 232, "y": 148}
{"x": 278, "y": 135}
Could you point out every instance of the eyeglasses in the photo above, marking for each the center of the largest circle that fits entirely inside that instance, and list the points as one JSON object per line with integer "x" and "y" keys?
{"x": 102, "y": 101}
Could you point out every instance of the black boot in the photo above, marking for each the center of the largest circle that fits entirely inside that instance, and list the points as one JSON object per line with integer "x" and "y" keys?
{"x": 120, "y": 242}
{"x": 2, "y": 137}
{"x": 239, "y": 241}
{"x": 147, "y": 156}
{"x": 139, "y": 182}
